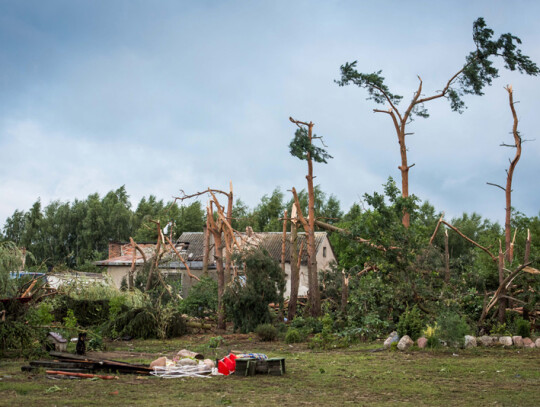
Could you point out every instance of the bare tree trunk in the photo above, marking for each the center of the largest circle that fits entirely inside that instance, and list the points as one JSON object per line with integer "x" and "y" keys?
{"x": 206, "y": 249}
{"x": 344, "y": 293}
{"x": 527, "y": 247}
{"x": 315, "y": 302}
{"x": 221, "y": 280}
{"x": 510, "y": 173}
{"x": 155, "y": 264}
{"x": 502, "y": 301}
{"x": 228, "y": 247}
{"x": 446, "y": 258}
{"x": 295, "y": 272}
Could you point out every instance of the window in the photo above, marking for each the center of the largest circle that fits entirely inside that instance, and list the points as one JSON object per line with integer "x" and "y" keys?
{"x": 324, "y": 251}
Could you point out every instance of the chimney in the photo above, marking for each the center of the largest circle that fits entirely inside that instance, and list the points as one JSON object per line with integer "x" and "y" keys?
{"x": 115, "y": 249}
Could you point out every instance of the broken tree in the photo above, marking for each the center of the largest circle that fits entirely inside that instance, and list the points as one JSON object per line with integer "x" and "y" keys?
{"x": 477, "y": 72}
{"x": 303, "y": 148}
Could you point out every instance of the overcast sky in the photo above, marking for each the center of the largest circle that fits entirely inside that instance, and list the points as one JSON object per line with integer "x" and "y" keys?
{"x": 167, "y": 95}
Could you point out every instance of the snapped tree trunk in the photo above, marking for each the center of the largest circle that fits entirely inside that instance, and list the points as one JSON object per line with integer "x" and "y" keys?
{"x": 510, "y": 174}
{"x": 315, "y": 302}
{"x": 502, "y": 301}
{"x": 446, "y": 258}
{"x": 206, "y": 249}
{"x": 295, "y": 272}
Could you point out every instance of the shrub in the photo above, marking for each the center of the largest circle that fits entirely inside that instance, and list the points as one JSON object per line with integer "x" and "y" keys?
{"x": 523, "y": 328}
{"x": 500, "y": 329}
{"x": 410, "y": 323}
{"x": 308, "y": 325}
{"x": 267, "y": 332}
{"x": 201, "y": 300}
{"x": 294, "y": 336}
{"x": 453, "y": 329}
{"x": 247, "y": 297}
{"x": 215, "y": 342}
{"x": 432, "y": 335}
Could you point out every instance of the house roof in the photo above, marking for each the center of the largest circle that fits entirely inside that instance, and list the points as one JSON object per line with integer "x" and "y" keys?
{"x": 191, "y": 246}
{"x": 271, "y": 241}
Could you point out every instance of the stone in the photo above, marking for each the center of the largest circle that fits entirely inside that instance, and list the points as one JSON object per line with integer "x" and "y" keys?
{"x": 162, "y": 361}
{"x": 518, "y": 341}
{"x": 393, "y": 337}
{"x": 528, "y": 343}
{"x": 470, "y": 342}
{"x": 537, "y": 343}
{"x": 485, "y": 340}
{"x": 421, "y": 342}
{"x": 405, "y": 343}
{"x": 505, "y": 340}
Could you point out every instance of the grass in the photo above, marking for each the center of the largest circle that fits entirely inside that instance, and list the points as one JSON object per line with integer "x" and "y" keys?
{"x": 351, "y": 376}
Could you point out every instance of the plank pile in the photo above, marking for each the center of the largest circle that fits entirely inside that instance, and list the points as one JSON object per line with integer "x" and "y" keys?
{"x": 69, "y": 363}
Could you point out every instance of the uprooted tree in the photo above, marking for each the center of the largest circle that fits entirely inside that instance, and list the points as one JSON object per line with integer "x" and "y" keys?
{"x": 303, "y": 148}
{"x": 477, "y": 72}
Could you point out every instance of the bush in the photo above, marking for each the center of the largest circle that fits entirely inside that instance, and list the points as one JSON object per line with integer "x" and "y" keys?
{"x": 309, "y": 325}
{"x": 431, "y": 333}
{"x": 453, "y": 329}
{"x": 294, "y": 336}
{"x": 410, "y": 323}
{"x": 202, "y": 299}
{"x": 247, "y": 297}
{"x": 523, "y": 328}
{"x": 267, "y": 332}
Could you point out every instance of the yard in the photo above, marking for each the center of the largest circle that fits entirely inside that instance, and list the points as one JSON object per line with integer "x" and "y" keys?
{"x": 359, "y": 375}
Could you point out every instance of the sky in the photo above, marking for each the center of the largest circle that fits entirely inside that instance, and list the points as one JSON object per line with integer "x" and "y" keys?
{"x": 163, "y": 96}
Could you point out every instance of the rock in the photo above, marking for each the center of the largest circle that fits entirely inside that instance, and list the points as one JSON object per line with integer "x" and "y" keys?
{"x": 537, "y": 343}
{"x": 518, "y": 341}
{"x": 421, "y": 342}
{"x": 162, "y": 361}
{"x": 187, "y": 362}
{"x": 405, "y": 343}
{"x": 485, "y": 340}
{"x": 393, "y": 337}
{"x": 505, "y": 340}
{"x": 470, "y": 342}
{"x": 528, "y": 343}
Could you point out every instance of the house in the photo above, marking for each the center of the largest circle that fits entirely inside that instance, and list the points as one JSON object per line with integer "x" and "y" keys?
{"x": 191, "y": 247}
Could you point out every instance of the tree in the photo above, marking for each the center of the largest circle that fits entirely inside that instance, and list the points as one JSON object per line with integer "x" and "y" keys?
{"x": 477, "y": 72}
{"x": 302, "y": 147}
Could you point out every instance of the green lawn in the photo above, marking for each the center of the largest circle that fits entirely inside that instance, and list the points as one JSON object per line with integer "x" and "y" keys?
{"x": 354, "y": 376}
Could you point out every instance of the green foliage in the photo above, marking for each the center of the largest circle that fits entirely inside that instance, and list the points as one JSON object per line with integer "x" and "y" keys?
{"x": 431, "y": 333}
{"x": 523, "y": 328}
{"x": 500, "y": 329}
{"x": 20, "y": 331}
{"x": 302, "y": 147}
{"x": 246, "y": 299}
{"x": 478, "y": 71}
{"x": 201, "y": 300}
{"x": 410, "y": 323}
{"x": 374, "y": 83}
{"x": 295, "y": 335}
{"x": 453, "y": 329}
{"x": 267, "y": 332}
{"x": 215, "y": 342}
{"x": 308, "y": 325}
